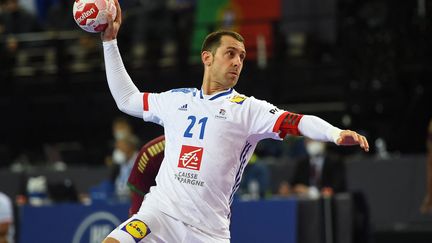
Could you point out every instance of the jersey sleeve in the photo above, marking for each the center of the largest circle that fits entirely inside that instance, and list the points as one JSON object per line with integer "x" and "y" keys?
{"x": 264, "y": 119}
{"x": 156, "y": 106}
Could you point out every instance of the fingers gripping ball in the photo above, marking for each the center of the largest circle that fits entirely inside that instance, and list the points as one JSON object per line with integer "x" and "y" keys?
{"x": 92, "y": 15}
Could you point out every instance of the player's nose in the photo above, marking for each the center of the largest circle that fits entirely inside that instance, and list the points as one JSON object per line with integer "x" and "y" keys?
{"x": 237, "y": 61}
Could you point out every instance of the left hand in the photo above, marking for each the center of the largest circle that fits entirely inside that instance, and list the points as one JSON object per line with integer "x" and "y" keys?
{"x": 348, "y": 137}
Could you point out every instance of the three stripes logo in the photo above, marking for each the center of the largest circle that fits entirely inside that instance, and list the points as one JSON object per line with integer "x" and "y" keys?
{"x": 292, "y": 119}
{"x": 183, "y": 107}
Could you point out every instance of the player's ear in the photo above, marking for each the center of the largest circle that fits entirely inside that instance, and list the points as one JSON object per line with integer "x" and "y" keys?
{"x": 207, "y": 58}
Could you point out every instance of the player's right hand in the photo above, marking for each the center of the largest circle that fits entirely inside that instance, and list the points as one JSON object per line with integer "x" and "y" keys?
{"x": 110, "y": 33}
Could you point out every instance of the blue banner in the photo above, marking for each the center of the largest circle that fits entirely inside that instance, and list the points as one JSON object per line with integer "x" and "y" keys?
{"x": 75, "y": 223}
{"x": 272, "y": 221}
{"x": 256, "y": 221}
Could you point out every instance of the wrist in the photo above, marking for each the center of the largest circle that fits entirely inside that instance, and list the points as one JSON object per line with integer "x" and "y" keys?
{"x": 333, "y": 134}
{"x": 109, "y": 42}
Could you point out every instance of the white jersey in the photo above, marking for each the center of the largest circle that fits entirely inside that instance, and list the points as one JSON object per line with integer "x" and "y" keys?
{"x": 209, "y": 140}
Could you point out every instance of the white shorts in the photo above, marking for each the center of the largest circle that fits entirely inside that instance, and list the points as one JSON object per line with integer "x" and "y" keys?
{"x": 151, "y": 225}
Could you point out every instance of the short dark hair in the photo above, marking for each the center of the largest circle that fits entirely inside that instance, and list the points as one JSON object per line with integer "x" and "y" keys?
{"x": 212, "y": 40}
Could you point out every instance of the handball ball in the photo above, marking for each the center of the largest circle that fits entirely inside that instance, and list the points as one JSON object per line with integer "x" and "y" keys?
{"x": 92, "y": 15}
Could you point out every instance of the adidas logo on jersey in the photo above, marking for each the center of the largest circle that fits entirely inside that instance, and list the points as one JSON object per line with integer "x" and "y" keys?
{"x": 183, "y": 107}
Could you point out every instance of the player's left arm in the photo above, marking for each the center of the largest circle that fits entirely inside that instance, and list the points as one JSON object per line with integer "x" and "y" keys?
{"x": 318, "y": 129}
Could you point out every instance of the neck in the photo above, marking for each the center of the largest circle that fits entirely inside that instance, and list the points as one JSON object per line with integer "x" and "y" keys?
{"x": 210, "y": 86}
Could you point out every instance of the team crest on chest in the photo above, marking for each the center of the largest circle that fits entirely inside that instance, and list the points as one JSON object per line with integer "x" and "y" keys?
{"x": 190, "y": 157}
{"x": 221, "y": 114}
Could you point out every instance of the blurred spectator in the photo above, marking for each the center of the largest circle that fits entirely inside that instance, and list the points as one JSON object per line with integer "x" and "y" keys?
{"x": 119, "y": 163}
{"x": 6, "y": 219}
{"x": 121, "y": 128}
{"x": 16, "y": 19}
{"x": 256, "y": 178}
{"x": 284, "y": 189}
{"x": 37, "y": 190}
{"x": 318, "y": 172}
{"x": 427, "y": 203}
{"x": 124, "y": 156}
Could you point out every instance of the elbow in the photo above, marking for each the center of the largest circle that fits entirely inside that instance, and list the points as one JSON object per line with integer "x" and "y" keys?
{"x": 122, "y": 107}
{"x": 129, "y": 104}
{"x": 128, "y": 109}
{"x": 123, "y": 103}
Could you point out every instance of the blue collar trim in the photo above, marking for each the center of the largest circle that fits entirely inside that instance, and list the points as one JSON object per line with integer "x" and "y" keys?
{"x": 229, "y": 91}
{"x": 222, "y": 94}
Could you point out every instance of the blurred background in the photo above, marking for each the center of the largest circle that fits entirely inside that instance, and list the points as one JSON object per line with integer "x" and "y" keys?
{"x": 363, "y": 65}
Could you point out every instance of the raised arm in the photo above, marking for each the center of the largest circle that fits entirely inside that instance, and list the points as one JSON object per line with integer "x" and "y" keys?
{"x": 317, "y": 129}
{"x": 126, "y": 95}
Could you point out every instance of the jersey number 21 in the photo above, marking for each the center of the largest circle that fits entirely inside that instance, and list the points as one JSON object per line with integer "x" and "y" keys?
{"x": 202, "y": 122}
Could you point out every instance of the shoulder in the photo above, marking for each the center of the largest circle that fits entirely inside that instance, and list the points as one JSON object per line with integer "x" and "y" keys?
{"x": 178, "y": 92}
{"x": 175, "y": 94}
{"x": 260, "y": 101}
{"x": 237, "y": 98}
{"x": 183, "y": 91}
{"x": 252, "y": 103}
